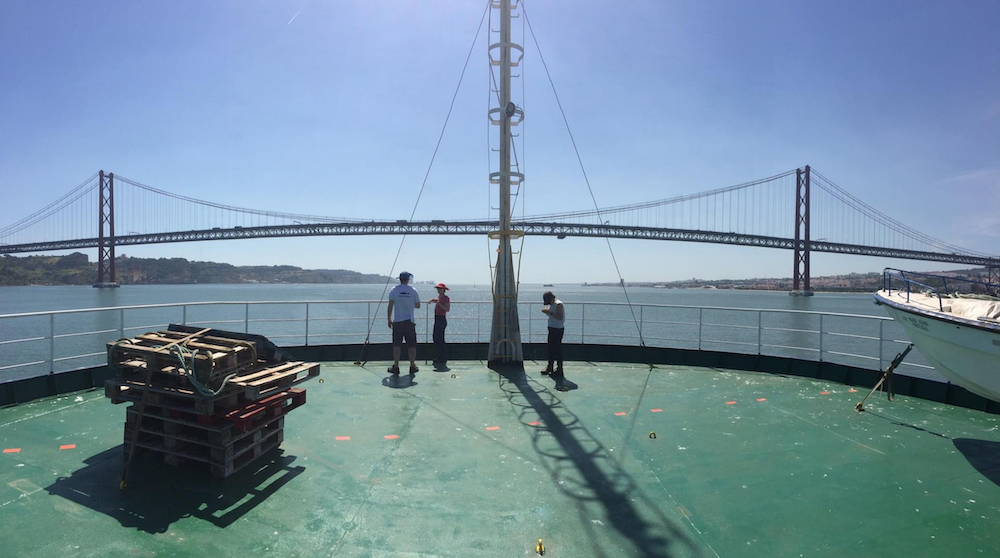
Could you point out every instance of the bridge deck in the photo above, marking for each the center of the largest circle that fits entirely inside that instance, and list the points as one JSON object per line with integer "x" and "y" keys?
{"x": 743, "y": 464}
{"x": 482, "y": 228}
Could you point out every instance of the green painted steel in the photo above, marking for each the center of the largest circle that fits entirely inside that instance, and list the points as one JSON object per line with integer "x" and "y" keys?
{"x": 798, "y": 473}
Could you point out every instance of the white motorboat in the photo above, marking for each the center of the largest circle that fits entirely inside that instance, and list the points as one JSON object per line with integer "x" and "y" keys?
{"x": 959, "y": 335}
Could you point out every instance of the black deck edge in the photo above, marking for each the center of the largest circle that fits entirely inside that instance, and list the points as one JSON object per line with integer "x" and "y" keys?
{"x": 15, "y": 392}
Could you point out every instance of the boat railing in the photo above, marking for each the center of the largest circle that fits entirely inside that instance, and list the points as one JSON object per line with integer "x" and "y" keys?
{"x": 905, "y": 276}
{"x": 38, "y": 343}
{"x": 888, "y": 274}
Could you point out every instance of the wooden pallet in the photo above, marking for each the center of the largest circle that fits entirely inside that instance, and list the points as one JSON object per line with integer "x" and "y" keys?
{"x": 124, "y": 389}
{"x": 250, "y": 416}
{"x": 222, "y": 426}
{"x": 259, "y": 382}
{"x": 224, "y": 460}
{"x": 161, "y": 422}
{"x": 216, "y": 357}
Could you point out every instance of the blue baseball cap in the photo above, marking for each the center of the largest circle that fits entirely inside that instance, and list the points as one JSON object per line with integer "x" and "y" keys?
{"x": 405, "y": 275}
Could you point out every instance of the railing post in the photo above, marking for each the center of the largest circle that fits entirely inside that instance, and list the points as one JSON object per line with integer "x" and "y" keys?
{"x": 478, "y": 325}
{"x": 246, "y": 317}
{"x": 427, "y": 316}
{"x": 52, "y": 343}
{"x": 369, "y": 322}
{"x": 759, "y": 330}
{"x": 529, "y": 323}
{"x": 121, "y": 323}
{"x": 700, "y": 310}
{"x": 583, "y": 324}
{"x": 307, "y": 324}
{"x": 821, "y": 337}
{"x": 184, "y": 316}
{"x": 640, "y": 323}
{"x": 880, "y": 326}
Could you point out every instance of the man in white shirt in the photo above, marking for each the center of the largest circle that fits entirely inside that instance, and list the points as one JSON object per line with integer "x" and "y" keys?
{"x": 404, "y": 300}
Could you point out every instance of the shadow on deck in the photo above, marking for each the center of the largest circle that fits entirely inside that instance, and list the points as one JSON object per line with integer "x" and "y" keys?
{"x": 158, "y": 495}
{"x": 984, "y": 455}
{"x": 583, "y": 469}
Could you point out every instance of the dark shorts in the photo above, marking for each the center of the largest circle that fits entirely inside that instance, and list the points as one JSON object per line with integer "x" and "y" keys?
{"x": 404, "y": 330}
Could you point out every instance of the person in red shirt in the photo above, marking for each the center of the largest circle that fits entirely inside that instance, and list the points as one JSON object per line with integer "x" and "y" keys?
{"x": 442, "y": 306}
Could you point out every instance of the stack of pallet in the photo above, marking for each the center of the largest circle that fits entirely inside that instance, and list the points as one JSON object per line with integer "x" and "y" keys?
{"x": 204, "y": 396}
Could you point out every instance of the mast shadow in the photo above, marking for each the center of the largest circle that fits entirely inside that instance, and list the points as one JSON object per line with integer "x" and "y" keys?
{"x": 899, "y": 422}
{"x": 581, "y": 467}
{"x": 159, "y": 495}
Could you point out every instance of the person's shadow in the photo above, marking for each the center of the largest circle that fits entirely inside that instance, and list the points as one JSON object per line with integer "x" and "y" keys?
{"x": 566, "y": 385}
{"x": 398, "y": 381}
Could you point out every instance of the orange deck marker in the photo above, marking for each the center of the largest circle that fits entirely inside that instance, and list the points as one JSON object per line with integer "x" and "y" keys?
{"x": 620, "y": 414}
{"x": 730, "y": 402}
{"x": 12, "y": 450}
{"x": 656, "y": 410}
{"x": 391, "y": 436}
{"x": 342, "y": 438}
{"x": 824, "y": 393}
{"x": 535, "y": 423}
{"x": 852, "y": 390}
{"x": 68, "y": 446}
{"x": 761, "y": 400}
{"x": 492, "y": 428}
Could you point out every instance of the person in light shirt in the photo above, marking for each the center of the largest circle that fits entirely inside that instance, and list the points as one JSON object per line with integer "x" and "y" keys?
{"x": 442, "y": 307}
{"x": 557, "y": 326}
{"x": 403, "y": 299}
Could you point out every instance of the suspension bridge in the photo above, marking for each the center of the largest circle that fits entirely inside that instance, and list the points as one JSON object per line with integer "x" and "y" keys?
{"x": 800, "y": 210}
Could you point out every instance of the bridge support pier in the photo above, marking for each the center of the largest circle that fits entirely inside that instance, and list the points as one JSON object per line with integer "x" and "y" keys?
{"x": 800, "y": 269}
{"x": 106, "y": 277}
{"x": 993, "y": 272}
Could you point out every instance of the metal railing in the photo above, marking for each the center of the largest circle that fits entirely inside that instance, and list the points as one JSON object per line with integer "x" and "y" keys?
{"x": 38, "y": 343}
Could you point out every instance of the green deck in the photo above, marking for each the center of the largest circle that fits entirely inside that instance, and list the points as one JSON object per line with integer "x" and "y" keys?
{"x": 799, "y": 473}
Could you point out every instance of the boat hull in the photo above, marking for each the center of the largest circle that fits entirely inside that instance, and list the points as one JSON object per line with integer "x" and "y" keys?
{"x": 966, "y": 353}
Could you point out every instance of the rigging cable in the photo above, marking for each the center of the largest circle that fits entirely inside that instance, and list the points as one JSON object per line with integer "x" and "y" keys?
{"x": 621, "y": 281}
{"x": 361, "y": 359}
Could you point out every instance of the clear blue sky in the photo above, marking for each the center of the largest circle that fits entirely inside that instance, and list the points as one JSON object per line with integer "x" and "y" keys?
{"x": 334, "y": 108}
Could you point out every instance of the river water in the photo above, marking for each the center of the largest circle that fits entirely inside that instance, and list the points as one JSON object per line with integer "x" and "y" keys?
{"x": 717, "y": 325}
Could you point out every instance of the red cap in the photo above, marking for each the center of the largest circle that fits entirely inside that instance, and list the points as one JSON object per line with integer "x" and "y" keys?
{"x": 441, "y": 286}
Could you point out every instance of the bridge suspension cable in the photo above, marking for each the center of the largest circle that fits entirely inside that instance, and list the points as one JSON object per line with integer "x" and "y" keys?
{"x": 245, "y": 210}
{"x": 878, "y": 217}
{"x": 85, "y": 187}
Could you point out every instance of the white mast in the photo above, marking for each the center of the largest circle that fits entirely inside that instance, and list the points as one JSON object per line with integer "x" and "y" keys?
{"x": 505, "y": 338}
